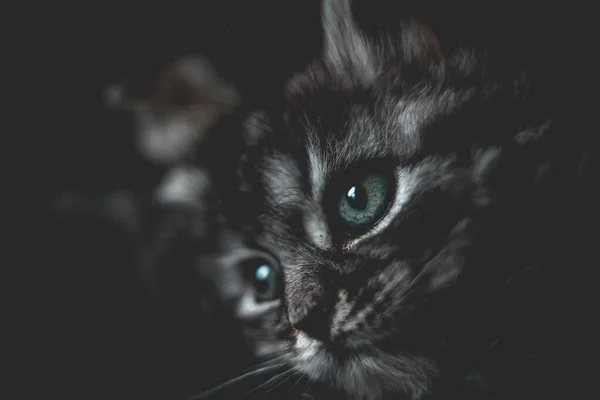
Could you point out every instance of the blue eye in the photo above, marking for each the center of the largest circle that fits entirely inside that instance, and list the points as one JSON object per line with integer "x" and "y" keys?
{"x": 363, "y": 203}
{"x": 266, "y": 282}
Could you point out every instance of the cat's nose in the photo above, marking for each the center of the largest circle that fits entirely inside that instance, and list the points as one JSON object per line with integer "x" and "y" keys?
{"x": 309, "y": 302}
{"x": 315, "y": 322}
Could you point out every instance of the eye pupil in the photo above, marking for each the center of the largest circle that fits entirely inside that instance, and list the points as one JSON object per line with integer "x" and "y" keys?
{"x": 357, "y": 197}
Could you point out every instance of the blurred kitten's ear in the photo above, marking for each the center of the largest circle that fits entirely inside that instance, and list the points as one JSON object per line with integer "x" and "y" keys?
{"x": 188, "y": 98}
{"x": 396, "y": 38}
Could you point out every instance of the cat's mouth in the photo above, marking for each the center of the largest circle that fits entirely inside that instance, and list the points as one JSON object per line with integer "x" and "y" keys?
{"x": 339, "y": 349}
{"x": 311, "y": 351}
{"x": 365, "y": 372}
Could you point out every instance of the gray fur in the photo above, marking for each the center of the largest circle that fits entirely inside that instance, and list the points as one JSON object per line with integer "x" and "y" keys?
{"x": 372, "y": 314}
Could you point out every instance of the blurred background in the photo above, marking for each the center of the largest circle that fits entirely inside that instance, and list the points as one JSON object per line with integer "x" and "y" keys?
{"x": 78, "y": 322}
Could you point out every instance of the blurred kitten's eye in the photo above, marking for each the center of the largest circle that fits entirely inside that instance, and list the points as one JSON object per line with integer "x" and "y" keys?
{"x": 363, "y": 202}
{"x": 266, "y": 281}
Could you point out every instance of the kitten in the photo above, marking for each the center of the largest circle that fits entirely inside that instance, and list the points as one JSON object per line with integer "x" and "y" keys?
{"x": 194, "y": 279}
{"x": 202, "y": 281}
{"x": 205, "y": 281}
{"x": 421, "y": 213}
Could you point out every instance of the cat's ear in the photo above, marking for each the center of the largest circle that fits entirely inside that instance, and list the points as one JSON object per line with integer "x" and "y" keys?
{"x": 402, "y": 39}
{"x": 418, "y": 44}
{"x": 188, "y": 97}
{"x": 346, "y": 49}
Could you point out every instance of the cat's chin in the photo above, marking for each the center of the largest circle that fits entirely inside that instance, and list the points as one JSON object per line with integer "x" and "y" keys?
{"x": 370, "y": 374}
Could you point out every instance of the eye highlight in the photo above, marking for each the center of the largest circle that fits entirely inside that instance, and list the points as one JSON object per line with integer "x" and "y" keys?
{"x": 265, "y": 278}
{"x": 363, "y": 201}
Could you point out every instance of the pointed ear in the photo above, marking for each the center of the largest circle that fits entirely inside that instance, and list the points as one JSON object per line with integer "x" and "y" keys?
{"x": 419, "y": 44}
{"x": 189, "y": 98}
{"x": 346, "y": 49}
{"x": 403, "y": 40}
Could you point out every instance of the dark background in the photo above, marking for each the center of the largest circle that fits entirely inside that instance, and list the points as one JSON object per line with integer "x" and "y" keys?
{"x": 76, "y": 324}
{"x": 71, "y": 53}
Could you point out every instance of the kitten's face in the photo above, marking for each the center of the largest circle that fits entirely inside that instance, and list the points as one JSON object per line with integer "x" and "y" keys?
{"x": 378, "y": 190}
{"x": 210, "y": 287}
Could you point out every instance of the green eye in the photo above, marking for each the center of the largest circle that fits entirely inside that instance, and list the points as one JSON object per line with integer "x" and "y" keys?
{"x": 364, "y": 202}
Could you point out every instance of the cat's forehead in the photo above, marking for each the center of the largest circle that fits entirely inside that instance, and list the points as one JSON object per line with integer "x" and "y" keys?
{"x": 343, "y": 127}
{"x": 336, "y": 131}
